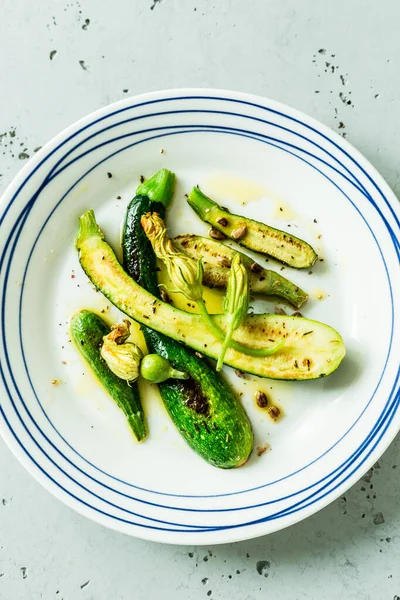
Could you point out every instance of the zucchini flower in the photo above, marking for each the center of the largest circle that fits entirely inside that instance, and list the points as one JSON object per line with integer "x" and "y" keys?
{"x": 185, "y": 274}
{"x": 122, "y": 357}
{"x": 236, "y": 302}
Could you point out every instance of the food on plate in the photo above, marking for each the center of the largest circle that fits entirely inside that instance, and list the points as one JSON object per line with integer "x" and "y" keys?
{"x": 88, "y": 331}
{"x": 235, "y": 305}
{"x": 156, "y": 368}
{"x": 302, "y": 357}
{"x": 123, "y": 358}
{"x": 274, "y": 412}
{"x": 254, "y": 235}
{"x": 126, "y": 360}
{"x": 206, "y": 411}
{"x": 217, "y": 259}
{"x": 261, "y": 399}
{"x": 203, "y": 407}
{"x": 187, "y": 278}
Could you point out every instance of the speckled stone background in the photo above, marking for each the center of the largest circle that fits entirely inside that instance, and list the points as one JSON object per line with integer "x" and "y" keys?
{"x": 337, "y": 60}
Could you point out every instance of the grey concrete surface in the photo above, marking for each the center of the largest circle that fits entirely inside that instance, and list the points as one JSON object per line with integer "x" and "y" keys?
{"x": 338, "y": 61}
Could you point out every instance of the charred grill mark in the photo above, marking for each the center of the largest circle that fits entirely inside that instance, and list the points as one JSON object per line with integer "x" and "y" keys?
{"x": 194, "y": 399}
{"x": 277, "y": 235}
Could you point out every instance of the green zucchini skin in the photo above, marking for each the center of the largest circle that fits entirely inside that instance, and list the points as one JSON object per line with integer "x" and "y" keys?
{"x": 139, "y": 260}
{"x": 203, "y": 408}
{"x": 88, "y": 330}
{"x": 256, "y": 236}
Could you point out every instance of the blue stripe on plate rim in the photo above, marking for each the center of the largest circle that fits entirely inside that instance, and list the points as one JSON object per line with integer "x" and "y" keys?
{"x": 81, "y": 179}
{"x": 163, "y": 506}
{"x": 256, "y": 134}
{"x": 234, "y": 131}
{"x": 173, "y": 127}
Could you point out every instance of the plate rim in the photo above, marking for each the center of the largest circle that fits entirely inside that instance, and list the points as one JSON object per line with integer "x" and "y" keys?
{"x": 211, "y": 537}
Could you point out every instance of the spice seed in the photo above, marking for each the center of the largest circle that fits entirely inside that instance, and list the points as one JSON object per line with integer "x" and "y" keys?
{"x": 255, "y": 268}
{"x": 274, "y": 412}
{"x": 224, "y": 262}
{"x": 262, "y": 449}
{"x": 216, "y": 235}
{"x": 261, "y": 399}
{"x": 239, "y": 232}
{"x": 241, "y": 374}
{"x": 165, "y": 297}
{"x": 222, "y": 221}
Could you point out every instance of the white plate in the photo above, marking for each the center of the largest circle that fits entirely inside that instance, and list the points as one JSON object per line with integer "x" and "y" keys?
{"x": 254, "y": 156}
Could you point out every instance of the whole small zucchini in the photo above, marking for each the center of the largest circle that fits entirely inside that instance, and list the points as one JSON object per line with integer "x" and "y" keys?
{"x": 254, "y": 235}
{"x": 87, "y": 331}
{"x": 203, "y": 407}
{"x": 217, "y": 258}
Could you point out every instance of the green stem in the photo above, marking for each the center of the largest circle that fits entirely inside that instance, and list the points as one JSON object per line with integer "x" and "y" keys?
{"x": 200, "y": 203}
{"x": 175, "y": 374}
{"x": 206, "y": 316}
{"x": 280, "y": 286}
{"x": 262, "y": 351}
{"x": 227, "y": 341}
{"x": 88, "y": 228}
{"x": 159, "y": 187}
{"x": 236, "y": 345}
